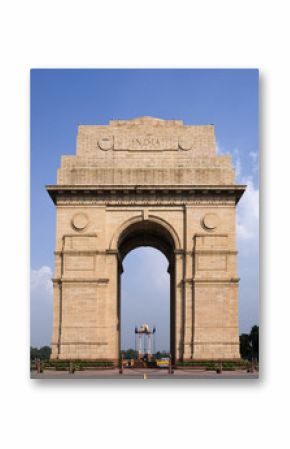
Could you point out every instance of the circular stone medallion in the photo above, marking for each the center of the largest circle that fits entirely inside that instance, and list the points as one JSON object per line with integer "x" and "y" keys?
{"x": 106, "y": 143}
{"x": 210, "y": 221}
{"x": 185, "y": 142}
{"x": 80, "y": 221}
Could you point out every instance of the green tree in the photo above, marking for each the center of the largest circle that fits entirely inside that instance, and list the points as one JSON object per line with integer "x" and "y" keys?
{"x": 33, "y": 353}
{"x": 245, "y": 347}
{"x": 249, "y": 344}
{"x": 254, "y": 339}
{"x": 161, "y": 354}
{"x": 42, "y": 353}
{"x": 129, "y": 353}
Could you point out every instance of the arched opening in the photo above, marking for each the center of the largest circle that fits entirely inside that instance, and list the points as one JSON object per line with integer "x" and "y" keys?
{"x": 142, "y": 234}
{"x": 145, "y": 298}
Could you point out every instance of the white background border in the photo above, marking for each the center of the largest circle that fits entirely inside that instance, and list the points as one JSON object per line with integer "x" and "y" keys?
{"x": 204, "y": 34}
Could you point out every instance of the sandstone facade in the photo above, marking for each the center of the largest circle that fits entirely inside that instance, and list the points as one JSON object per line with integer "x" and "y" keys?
{"x": 145, "y": 182}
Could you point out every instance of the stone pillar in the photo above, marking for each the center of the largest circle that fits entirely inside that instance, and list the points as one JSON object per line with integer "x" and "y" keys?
{"x": 112, "y": 305}
{"x": 179, "y": 305}
{"x": 56, "y": 330}
{"x": 216, "y": 333}
{"x": 188, "y": 284}
{"x": 188, "y": 313}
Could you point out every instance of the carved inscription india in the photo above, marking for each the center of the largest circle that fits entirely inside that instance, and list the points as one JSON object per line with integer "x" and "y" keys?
{"x": 144, "y": 143}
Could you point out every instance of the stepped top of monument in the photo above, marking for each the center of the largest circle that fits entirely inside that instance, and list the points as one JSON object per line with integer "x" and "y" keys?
{"x": 146, "y": 120}
{"x": 145, "y": 134}
{"x": 146, "y": 151}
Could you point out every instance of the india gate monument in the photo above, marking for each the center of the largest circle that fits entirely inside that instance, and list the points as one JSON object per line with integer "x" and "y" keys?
{"x": 146, "y": 182}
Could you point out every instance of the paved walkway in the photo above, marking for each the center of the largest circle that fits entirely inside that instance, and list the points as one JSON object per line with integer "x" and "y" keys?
{"x": 143, "y": 373}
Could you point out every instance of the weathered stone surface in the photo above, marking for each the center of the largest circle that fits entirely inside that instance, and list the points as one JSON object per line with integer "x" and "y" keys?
{"x": 145, "y": 182}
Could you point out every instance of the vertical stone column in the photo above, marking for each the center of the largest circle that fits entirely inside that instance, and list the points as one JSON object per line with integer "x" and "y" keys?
{"x": 57, "y": 302}
{"x": 188, "y": 308}
{"x": 179, "y": 304}
{"x": 56, "y": 329}
{"x": 188, "y": 285}
{"x": 112, "y": 305}
{"x": 215, "y": 298}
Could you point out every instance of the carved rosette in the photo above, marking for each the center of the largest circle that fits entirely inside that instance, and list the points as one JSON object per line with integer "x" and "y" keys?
{"x": 210, "y": 221}
{"x": 80, "y": 221}
{"x": 106, "y": 143}
{"x": 185, "y": 142}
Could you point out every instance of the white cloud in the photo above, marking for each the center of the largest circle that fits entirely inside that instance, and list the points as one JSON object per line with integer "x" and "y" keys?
{"x": 248, "y": 207}
{"x": 255, "y": 161}
{"x": 40, "y": 281}
{"x": 248, "y": 212}
{"x": 41, "y": 308}
{"x": 254, "y": 156}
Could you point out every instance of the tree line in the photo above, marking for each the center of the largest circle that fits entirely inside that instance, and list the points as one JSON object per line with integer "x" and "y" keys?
{"x": 249, "y": 344}
{"x": 249, "y": 348}
{"x": 42, "y": 353}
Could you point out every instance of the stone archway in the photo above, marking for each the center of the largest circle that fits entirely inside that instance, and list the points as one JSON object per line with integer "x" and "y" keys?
{"x": 146, "y": 182}
{"x": 150, "y": 233}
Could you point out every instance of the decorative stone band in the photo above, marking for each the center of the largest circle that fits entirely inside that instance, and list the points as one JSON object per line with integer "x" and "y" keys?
{"x": 177, "y": 251}
{"x": 216, "y": 281}
{"x": 216, "y": 342}
{"x": 79, "y": 252}
{"x": 83, "y": 343}
{"x": 140, "y": 202}
{"x": 213, "y": 281}
{"x": 84, "y": 280}
{"x": 197, "y": 193}
{"x": 214, "y": 251}
{"x": 146, "y": 176}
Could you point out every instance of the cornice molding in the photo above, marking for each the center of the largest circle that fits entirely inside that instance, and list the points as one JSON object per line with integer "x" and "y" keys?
{"x": 143, "y": 194}
{"x": 80, "y": 280}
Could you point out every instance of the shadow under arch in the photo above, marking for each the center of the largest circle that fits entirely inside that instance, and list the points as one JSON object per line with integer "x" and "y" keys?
{"x": 149, "y": 233}
{"x": 164, "y": 229}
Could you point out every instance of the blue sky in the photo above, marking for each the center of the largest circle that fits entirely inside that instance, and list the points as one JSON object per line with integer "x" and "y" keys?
{"x": 62, "y": 99}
